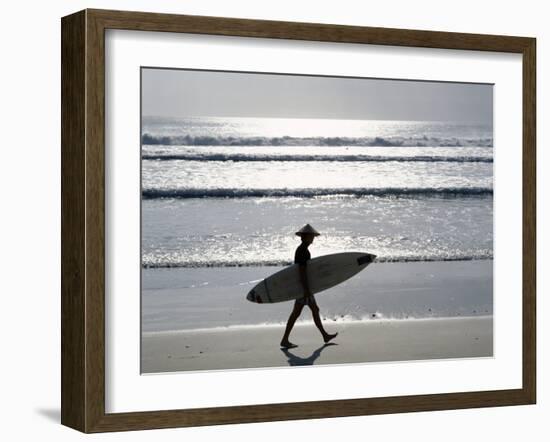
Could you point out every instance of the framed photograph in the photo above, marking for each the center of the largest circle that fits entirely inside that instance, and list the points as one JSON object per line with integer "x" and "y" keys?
{"x": 269, "y": 220}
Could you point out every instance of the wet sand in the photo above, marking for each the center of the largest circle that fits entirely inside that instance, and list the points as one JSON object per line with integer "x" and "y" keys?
{"x": 360, "y": 341}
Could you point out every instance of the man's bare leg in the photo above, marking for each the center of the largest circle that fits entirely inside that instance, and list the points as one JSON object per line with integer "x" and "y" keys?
{"x": 290, "y": 324}
{"x": 317, "y": 319}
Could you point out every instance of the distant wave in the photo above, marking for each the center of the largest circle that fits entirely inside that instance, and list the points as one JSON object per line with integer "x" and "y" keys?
{"x": 455, "y": 192}
{"x": 279, "y": 263}
{"x": 331, "y": 158}
{"x": 422, "y": 141}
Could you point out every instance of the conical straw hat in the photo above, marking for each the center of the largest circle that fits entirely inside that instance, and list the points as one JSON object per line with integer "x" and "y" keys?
{"x": 307, "y": 229}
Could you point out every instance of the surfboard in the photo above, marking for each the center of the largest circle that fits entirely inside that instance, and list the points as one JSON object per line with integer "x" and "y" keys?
{"x": 323, "y": 272}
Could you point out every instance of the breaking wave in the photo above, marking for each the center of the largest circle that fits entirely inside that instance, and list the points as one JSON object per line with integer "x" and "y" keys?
{"x": 421, "y": 141}
{"x": 445, "y": 192}
{"x": 331, "y": 158}
{"x": 154, "y": 264}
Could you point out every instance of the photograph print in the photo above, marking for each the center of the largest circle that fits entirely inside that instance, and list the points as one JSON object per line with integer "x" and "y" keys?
{"x": 300, "y": 220}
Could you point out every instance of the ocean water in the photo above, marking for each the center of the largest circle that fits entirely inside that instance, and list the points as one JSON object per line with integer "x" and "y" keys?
{"x": 221, "y": 193}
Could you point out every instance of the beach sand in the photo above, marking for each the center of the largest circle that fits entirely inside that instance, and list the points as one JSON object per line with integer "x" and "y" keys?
{"x": 197, "y": 298}
{"x": 360, "y": 341}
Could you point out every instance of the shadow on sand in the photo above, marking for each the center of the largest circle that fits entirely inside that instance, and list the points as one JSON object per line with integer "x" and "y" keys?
{"x": 294, "y": 360}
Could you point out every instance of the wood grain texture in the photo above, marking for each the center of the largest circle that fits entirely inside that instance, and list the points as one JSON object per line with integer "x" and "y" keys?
{"x": 529, "y": 220}
{"x": 95, "y": 221}
{"x": 83, "y": 220}
{"x": 73, "y": 257}
{"x": 307, "y": 410}
{"x": 144, "y": 21}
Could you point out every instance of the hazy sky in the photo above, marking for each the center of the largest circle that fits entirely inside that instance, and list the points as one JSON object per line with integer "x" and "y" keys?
{"x": 182, "y": 93}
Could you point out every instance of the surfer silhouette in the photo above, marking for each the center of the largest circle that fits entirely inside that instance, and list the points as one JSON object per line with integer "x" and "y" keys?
{"x": 301, "y": 257}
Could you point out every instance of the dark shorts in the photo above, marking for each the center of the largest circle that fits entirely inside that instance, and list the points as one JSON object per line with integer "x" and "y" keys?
{"x": 310, "y": 300}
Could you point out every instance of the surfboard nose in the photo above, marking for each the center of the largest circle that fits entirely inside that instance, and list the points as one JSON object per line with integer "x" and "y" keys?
{"x": 367, "y": 258}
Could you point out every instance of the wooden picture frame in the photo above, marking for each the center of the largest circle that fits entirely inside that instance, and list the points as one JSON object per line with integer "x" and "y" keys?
{"x": 83, "y": 220}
